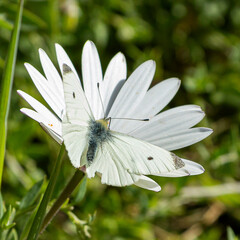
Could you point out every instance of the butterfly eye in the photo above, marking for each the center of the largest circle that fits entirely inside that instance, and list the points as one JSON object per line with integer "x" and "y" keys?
{"x": 108, "y": 122}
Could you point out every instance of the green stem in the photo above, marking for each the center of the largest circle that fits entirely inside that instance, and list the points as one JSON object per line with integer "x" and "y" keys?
{"x": 38, "y": 219}
{"x": 62, "y": 198}
{"x": 7, "y": 82}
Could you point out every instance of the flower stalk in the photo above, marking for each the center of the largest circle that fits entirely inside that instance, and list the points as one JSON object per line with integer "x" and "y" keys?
{"x": 38, "y": 219}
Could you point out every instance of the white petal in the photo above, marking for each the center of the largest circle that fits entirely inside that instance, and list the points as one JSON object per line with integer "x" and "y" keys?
{"x": 173, "y": 120}
{"x": 157, "y": 98}
{"x": 131, "y": 94}
{"x": 34, "y": 115}
{"x": 177, "y": 140}
{"x": 154, "y": 101}
{"x": 92, "y": 75}
{"x": 52, "y": 76}
{"x": 55, "y": 136}
{"x": 62, "y": 58}
{"x": 190, "y": 168}
{"x": 193, "y": 168}
{"x": 114, "y": 78}
{"x": 52, "y": 125}
{"x": 40, "y": 108}
{"x": 45, "y": 89}
{"x": 147, "y": 183}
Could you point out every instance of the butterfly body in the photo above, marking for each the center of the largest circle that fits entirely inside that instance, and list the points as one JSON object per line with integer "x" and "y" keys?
{"x": 98, "y": 133}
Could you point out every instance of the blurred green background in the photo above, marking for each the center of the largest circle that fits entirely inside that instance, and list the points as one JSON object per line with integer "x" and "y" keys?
{"x": 197, "y": 41}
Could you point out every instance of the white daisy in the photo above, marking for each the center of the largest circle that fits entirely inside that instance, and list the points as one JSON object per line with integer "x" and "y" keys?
{"x": 170, "y": 130}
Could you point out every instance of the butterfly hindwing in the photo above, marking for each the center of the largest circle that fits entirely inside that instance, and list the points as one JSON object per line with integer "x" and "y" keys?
{"x": 123, "y": 159}
{"x": 75, "y": 140}
{"x": 109, "y": 165}
{"x": 124, "y": 156}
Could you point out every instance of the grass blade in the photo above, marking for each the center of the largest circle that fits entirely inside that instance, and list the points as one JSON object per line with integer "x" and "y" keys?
{"x": 7, "y": 81}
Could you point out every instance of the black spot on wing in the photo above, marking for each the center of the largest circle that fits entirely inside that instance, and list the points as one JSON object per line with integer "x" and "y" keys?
{"x": 150, "y": 158}
{"x": 74, "y": 95}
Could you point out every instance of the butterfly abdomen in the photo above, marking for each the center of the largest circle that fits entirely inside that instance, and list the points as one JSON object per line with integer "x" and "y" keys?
{"x": 98, "y": 133}
{"x": 92, "y": 147}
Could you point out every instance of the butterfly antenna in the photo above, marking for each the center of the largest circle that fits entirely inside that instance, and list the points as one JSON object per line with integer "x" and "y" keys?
{"x": 136, "y": 119}
{"x": 101, "y": 100}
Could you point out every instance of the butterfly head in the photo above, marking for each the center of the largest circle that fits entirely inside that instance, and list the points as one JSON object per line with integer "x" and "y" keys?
{"x": 105, "y": 122}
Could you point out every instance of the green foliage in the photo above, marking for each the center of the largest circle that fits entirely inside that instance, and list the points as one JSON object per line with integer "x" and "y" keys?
{"x": 6, "y": 222}
{"x": 231, "y": 235}
{"x": 31, "y": 196}
{"x": 194, "y": 40}
{"x": 80, "y": 191}
{"x": 83, "y": 227}
{"x": 13, "y": 235}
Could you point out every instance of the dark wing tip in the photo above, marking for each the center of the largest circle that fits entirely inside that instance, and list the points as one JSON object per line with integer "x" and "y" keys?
{"x": 66, "y": 68}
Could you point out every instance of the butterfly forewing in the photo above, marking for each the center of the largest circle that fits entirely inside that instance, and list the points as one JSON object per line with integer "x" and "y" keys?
{"x": 77, "y": 107}
{"x": 140, "y": 157}
{"x": 76, "y": 118}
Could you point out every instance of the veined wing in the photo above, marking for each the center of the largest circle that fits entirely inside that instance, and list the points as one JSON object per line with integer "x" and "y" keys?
{"x": 76, "y": 118}
{"x": 125, "y": 156}
{"x": 110, "y": 166}
{"x": 77, "y": 107}
{"x": 75, "y": 140}
{"x": 141, "y": 157}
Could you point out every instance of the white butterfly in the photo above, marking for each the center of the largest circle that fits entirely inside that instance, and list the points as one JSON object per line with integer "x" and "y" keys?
{"x": 120, "y": 159}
